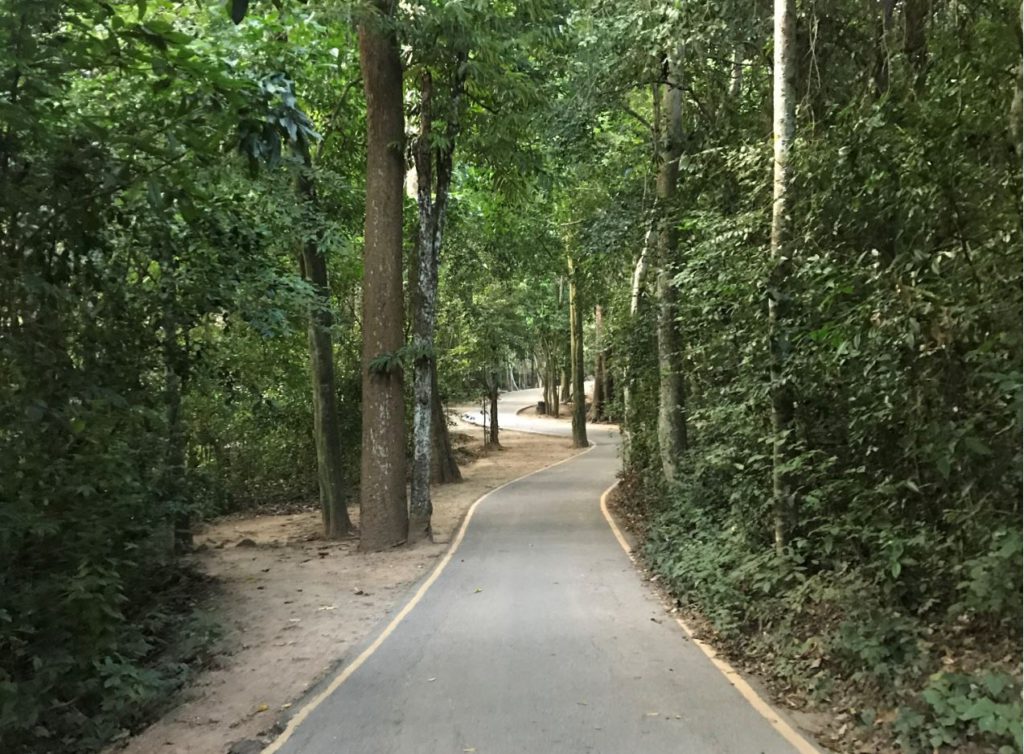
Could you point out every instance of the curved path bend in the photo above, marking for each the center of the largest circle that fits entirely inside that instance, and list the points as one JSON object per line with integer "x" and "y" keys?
{"x": 538, "y": 637}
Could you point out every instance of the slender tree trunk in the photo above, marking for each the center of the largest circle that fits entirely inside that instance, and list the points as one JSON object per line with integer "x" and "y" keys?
{"x": 551, "y": 397}
{"x": 546, "y": 389}
{"x": 445, "y": 469}
{"x": 781, "y": 392}
{"x": 383, "y": 507}
{"x": 556, "y": 402}
{"x": 556, "y": 372}
{"x": 671, "y": 395}
{"x": 492, "y": 398}
{"x": 597, "y": 405}
{"x": 326, "y": 431}
{"x": 1017, "y": 102}
{"x": 915, "y": 37}
{"x": 424, "y": 315}
{"x": 607, "y": 364}
{"x": 1017, "y": 107}
{"x": 433, "y": 181}
{"x": 174, "y": 461}
{"x": 736, "y": 77}
{"x": 630, "y": 376}
{"x": 330, "y": 473}
{"x": 565, "y": 392}
{"x": 579, "y": 409}
{"x": 882, "y": 54}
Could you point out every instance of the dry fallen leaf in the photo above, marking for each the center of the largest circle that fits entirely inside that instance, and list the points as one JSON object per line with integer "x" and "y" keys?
{"x": 262, "y": 708}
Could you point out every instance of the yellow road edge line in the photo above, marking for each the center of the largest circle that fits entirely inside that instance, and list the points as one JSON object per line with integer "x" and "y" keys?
{"x": 299, "y": 717}
{"x": 755, "y": 700}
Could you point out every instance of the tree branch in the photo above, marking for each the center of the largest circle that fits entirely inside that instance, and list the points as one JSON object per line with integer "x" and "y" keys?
{"x": 332, "y": 119}
{"x": 646, "y": 123}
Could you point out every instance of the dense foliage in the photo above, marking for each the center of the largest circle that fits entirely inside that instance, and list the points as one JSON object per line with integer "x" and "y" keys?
{"x": 164, "y": 173}
{"x": 152, "y": 340}
{"x": 898, "y": 598}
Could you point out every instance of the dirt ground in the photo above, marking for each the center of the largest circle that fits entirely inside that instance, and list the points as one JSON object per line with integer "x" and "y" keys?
{"x": 291, "y": 604}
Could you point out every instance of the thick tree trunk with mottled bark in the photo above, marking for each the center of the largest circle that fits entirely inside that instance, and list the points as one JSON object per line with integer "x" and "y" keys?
{"x": 671, "y": 395}
{"x": 433, "y": 181}
{"x": 781, "y": 251}
{"x": 579, "y": 398}
{"x": 383, "y": 507}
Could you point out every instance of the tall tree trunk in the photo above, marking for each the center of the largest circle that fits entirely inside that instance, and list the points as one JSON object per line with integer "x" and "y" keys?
{"x": 383, "y": 508}
{"x": 671, "y": 395}
{"x": 424, "y": 315}
{"x": 565, "y": 391}
{"x": 781, "y": 391}
{"x": 326, "y": 430}
{"x": 736, "y": 76}
{"x": 433, "y": 181}
{"x": 551, "y": 384}
{"x": 491, "y": 380}
{"x": 445, "y": 469}
{"x": 597, "y": 405}
{"x": 915, "y": 37}
{"x": 630, "y": 376}
{"x": 555, "y": 405}
{"x": 1017, "y": 106}
{"x": 607, "y": 363}
{"x": 579, "y": 409}
{"x": 174, "y": 460}
{"x": 546, "y": 390}
{"x": 882, "y": 55}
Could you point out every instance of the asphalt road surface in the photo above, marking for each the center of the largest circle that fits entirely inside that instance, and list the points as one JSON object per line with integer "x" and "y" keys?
{"x": 538, "y": 637}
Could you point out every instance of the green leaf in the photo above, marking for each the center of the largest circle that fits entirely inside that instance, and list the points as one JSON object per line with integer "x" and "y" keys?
{"x": 995, "y": 683}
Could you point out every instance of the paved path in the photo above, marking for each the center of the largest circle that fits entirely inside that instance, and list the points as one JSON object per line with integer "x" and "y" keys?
{"x": 538, "y": 637}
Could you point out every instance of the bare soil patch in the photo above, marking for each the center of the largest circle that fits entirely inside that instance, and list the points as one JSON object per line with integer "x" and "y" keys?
{"x": 292, "y": 604}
